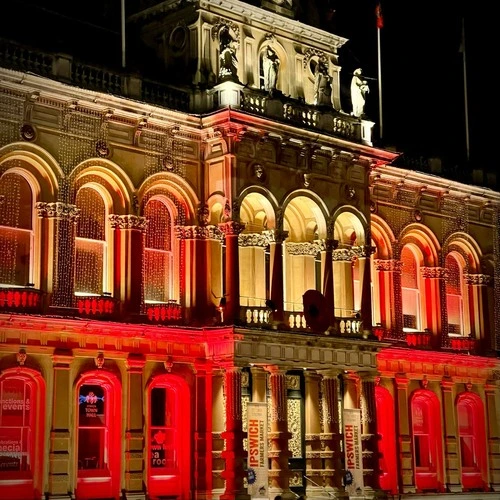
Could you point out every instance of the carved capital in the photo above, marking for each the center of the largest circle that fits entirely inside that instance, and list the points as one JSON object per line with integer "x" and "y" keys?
{"x": 303, "y": 248}
{"x": 198, "y": 232}
{"x": 388, "y": 265}
{"x": 433, "y": 272}
{"x": 128, "y": 222}
{"x": 275, "y": 235}
{"x": 342, "y": 254}
{"x": 231, "y": 228}
{"x": 253, "y": 240}
{"x": 478, "y": 279}
{"x": 57, "y": 210}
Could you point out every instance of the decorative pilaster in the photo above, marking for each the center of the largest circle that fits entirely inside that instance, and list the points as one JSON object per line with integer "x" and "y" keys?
{"x": 233, "y": 454}
{"x": 60, "y": 484}
{"x": 134, "y": 435}
{"x": 481, "y": 317}
{"x": 279, "y": 435}
{"x": 259, "y": 384}
{"x": 59, "y": 230}
{"x": 405, "y": 445}
{"x": 435, "y": 293}
{"x": 276, "y": 238}
{"x": 313, "y": 445}
{"x": 202, "y": 435}
{"x": 332, "y": 436}
{"x": 389, "y": 296}
{"x": 194, "y": 243}
{"x": 492, "y": 392}
{"x": 128, "y": 247}
{"x": 327, "y": 249}
{"x": 231, "y": 230}
{"x": 452, "y": 470}
{"x": 370, "y": 445}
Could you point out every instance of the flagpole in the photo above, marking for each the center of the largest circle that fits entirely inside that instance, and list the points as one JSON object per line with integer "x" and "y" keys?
{"x": 466, "y": 106}
{"x": 381, "y": 128}
{"x": 122, "y": 22}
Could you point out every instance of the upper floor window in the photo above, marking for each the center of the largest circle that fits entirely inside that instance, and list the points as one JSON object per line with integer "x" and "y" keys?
{"x": 410, "y": 290}
{"x": 454, "y": 295}
{"x": 158, "y": 254}
{"x": 91, "y": 267}
{"x": 16, "y": 230}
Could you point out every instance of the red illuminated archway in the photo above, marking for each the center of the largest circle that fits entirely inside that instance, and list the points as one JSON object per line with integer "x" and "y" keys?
{"x": 472, "y": 441}
{"x": 386, "y": 425}
{"x": 22, "y": 423}
{"x": 98, "y": 435}
{"x": 427, "y": 441}
{"x": 168, "y": 457}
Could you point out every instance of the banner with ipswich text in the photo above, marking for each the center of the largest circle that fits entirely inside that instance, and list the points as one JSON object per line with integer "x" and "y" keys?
{"x": 353, "y": 451}
{"x": 258, "y": 465}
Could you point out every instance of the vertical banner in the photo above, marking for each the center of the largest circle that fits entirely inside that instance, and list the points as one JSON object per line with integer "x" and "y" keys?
{"x": 258, "y": 465}
{"x": 353, "y": 451}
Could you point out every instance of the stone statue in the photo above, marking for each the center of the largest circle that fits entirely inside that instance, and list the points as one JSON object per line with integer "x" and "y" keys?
{"x": 227, "y": 57}
{"x": 359, "y": 89}
{"x": 270, "y": 66}
{"x": 322, "y": 85}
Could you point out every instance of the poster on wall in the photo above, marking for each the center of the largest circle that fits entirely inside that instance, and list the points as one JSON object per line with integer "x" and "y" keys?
{"x": 258, "y": 467}
{"x": 91, "y": 406}
{"x": 353, "y": 451}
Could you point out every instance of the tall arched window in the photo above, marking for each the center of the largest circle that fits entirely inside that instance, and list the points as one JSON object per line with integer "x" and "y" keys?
{"x": 158, "y": 253}
{"x": 472, "y": 441}
{"x": 168, "y": 437}
{"x": 388, "y": 463}
{"x": 92, "y": 267}
{"x": 410, "y": 290}
{"x": 22, "y": 424}
{"x": 427, "y": 441}
{"x": 98, "y": 448}
{"x": 16, "y": 230}
{"x": 455, "y": 296}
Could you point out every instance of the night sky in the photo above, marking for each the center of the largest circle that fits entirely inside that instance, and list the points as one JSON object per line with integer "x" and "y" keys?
{"x": 424, "y": 102}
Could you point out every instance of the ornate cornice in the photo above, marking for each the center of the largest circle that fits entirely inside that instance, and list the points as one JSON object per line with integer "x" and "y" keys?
{"x": 198, "y": 233}
{"x": 57, "y": 210}
{"x": 128, "y": 222}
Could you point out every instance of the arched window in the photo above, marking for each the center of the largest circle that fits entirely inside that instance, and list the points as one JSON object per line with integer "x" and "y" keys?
{"x": 158, "y": 253}
{"x": 91, "y": 268}
{"x": 16, "y": 231}
{"x": 410, "y": 290}
{"x": 168, "y": 437}
{"x": 388, "y": 463}
{"x": 427, "y": 441}
{"x": 98, "y": 449}
{"x": 455, "y": 296}
{"x": 22, "y": 424}
{"x": 472, "y": 440}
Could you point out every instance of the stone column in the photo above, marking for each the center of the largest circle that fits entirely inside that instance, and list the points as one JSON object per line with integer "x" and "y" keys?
{"x": 327, "y": 257}
{"x": 276, "y": 238}
{"x": 314, "y": 462}
{"x": 371, "y": 454}
{"x": 405, "y": 444}
{"x": 451, "y": 457}
{"x": 279, "y": 435}
{"x": 199, "y": 302}
{"x": 343, "y": 285}
{"x": 492, "y": 392}
{"x": 128, "y": 255}
{"x": 60, "y": 227}
{"x": 480, "y": 316}
{"x": 134, "y": 434}
{"x": 389, "y": 284}
{"x": 202, "y": 435}
{"x": 61, "y": 483}
{"x": 218, "y": 425}
{"x": 234, "y": 455}
{"x": 332, "y": 435}
{"x": 259, "y": 385}
{"x": 435, "y": 292}
{"x": 231, "y": 230}
{"x": 363, "y": 253}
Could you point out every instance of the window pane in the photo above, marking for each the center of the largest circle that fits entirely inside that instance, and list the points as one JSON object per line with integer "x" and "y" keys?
{"x": 91, "y": 222}
{"x": 91, "y": 408}
{"x": 422, "y": 451}
{"x": 467, "y": 451}
{"x": 91, "y": 446}
{"x": 15, "y": 250}
{"x": 89, "y": 266}
{"x": 158, "y": 406}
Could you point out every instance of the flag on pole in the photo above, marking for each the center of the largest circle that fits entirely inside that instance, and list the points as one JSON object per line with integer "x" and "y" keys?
{"x": 378, "y": 14}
